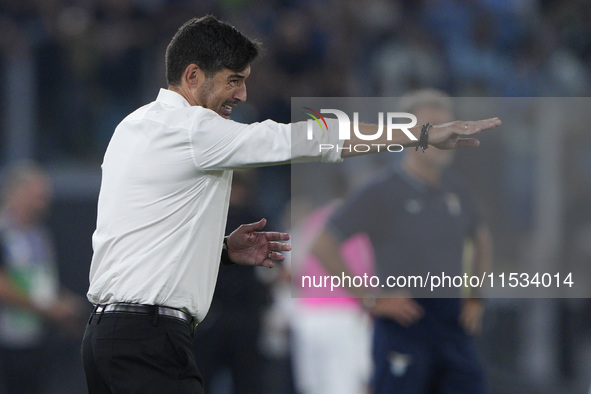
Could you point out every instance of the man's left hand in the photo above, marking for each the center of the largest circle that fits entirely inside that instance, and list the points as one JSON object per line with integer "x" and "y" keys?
{"x": 247, "y": 245}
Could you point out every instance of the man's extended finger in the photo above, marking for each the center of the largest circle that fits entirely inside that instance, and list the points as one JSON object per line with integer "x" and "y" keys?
{"x": 257, "y": 226}
{"x": 276, "y": 256}
{"x": 490, "y": 123}
{"x": 268, "y": 263}
{"x": 469, "y": 127}
{"x": 276, "y": 236}
{"x": 279, "y": 246}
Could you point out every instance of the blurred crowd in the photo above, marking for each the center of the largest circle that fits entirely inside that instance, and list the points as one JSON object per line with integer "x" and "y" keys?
{"x": 76, "y": 68}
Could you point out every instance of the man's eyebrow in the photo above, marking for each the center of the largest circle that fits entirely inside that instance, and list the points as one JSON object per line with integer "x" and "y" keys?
{"x": 236, "y": 75}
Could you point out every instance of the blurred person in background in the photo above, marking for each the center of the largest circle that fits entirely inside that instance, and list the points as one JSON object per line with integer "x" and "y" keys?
{"x": 228, "y": 339}
{"x": 30, "y": 293}
{"x": 330, "y": 330}
{"x": 418, "y": 216}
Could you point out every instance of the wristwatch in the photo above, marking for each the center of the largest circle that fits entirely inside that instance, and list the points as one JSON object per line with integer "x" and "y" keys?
{"x": 225, "y": 257}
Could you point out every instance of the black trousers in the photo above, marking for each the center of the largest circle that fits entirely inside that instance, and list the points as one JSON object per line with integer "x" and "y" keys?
{"x": 136, "y": 353}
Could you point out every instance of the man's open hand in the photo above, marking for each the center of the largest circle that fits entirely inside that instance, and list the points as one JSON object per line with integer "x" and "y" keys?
{"x": 247, "y": 245}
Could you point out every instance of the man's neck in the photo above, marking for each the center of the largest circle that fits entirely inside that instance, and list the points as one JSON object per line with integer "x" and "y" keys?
{"x": 183, "y": 91}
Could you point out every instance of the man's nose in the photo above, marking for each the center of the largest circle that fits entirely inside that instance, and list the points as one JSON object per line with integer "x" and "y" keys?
{"x": 240, "y": 93}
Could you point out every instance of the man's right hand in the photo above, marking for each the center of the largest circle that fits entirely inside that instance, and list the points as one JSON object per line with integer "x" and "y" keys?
{"x": 405, "y": 311}
{"x": 450, "y": 135}
{"x": 457, "y": 134}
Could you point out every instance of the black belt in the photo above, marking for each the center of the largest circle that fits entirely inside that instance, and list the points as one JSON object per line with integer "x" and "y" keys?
{"x": 144, "y": 310}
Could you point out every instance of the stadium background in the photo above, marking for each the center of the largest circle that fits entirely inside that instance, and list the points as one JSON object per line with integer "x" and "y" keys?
{"x": 71, "y": 69}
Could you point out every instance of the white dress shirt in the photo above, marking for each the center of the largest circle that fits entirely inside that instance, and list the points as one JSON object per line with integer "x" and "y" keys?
{"x": 164, "y": 198}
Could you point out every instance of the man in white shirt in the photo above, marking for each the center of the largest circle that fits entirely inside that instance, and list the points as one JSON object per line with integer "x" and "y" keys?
{"x": 163, "y": 203}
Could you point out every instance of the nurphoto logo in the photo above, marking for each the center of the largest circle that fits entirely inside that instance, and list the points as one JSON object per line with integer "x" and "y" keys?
{"x": 344, "y": 124}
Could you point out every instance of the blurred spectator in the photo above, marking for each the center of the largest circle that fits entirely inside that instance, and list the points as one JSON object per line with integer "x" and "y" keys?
{"x": 331, "y": 332}
{"x": 30, "y": 293}
{"x": 418, "y": 218}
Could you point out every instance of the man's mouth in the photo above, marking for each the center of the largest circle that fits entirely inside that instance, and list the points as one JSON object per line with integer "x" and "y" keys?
{"x": 226, "y": 110}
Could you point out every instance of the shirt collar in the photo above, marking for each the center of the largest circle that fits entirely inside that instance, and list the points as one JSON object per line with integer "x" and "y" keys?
{"x": 172, "y": 98}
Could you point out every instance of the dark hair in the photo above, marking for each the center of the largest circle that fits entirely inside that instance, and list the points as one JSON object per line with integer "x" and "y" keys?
{"x": 212, "y": 45}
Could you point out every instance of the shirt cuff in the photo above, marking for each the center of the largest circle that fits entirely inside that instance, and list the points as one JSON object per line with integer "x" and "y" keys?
{"x": 332, "y": 138}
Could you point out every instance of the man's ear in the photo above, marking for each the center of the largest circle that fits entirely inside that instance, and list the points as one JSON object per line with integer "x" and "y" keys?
{"x": 193, "y": 75}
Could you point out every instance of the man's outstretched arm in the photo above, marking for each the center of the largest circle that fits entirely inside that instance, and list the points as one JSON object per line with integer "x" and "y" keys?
{"x": 457, "y": 134}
